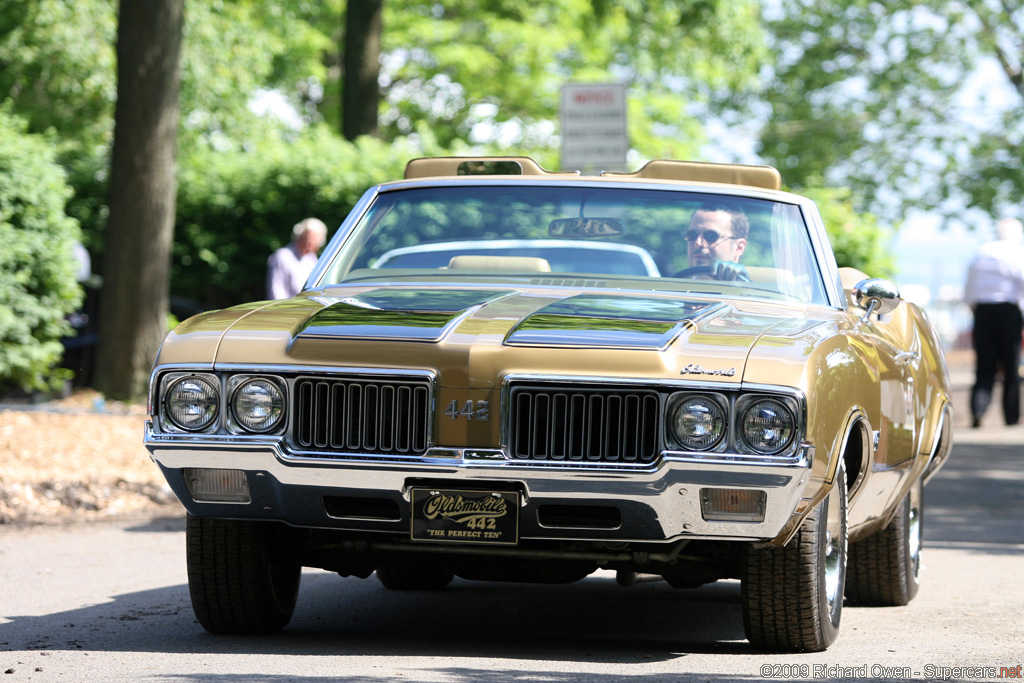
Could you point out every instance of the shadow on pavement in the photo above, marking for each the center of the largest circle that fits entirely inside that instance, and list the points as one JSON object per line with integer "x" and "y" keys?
{"x": 976, "y": 501}
{"x": 594, "y": 620}
{"x": 158, "y": 524}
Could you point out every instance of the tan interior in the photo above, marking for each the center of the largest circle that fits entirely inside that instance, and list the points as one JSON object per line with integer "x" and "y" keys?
{"x": 732, "y": 174}
{"x": 851, "y": 276}
{"x": 659, "y": 169}
{"x": 504, "y": 264}
{"x": 767, "y": 274}
{"x": 432, "y": 167}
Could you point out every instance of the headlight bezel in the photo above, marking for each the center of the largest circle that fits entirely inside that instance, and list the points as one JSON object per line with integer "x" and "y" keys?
{"x": 225, "y": 385}
{"x": 675, "y": 404}
{"x": 746, "y": 402}
{"x": 736, "y": 403}
{"x": 172, "y": 380}
{"x": 236, "y": 383}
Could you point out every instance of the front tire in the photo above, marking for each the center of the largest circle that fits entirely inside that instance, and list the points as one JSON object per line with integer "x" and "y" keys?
{"x": 793, "y": 595}
{"x": 885, "y": 567}
{"x": 237, "y": 582}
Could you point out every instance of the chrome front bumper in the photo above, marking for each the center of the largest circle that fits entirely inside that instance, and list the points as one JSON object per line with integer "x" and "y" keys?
{"x": 659, "y": 503}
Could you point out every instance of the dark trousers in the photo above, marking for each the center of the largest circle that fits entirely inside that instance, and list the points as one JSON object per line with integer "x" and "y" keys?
{"x": 997, "y": 341}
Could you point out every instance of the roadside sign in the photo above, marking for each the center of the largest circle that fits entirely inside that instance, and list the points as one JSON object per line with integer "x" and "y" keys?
{"x": 594, "y": 127}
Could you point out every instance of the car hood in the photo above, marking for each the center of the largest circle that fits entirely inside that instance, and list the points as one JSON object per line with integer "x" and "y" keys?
{"x": 474, "y": 336}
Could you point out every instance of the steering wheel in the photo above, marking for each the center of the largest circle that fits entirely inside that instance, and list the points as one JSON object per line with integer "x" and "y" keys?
{"x": 694, "y": 271}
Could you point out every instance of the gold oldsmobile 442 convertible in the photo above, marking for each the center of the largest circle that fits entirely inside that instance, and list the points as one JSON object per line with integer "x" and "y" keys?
{"x": 505, "y": 374}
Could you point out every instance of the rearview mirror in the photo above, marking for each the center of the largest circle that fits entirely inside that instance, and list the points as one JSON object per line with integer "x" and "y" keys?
{"x": 586, "y": 227}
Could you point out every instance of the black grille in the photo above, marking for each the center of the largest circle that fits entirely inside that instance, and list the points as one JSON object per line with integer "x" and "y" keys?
{"x": 371, "y": 416}
{"x": 589, "y": 424}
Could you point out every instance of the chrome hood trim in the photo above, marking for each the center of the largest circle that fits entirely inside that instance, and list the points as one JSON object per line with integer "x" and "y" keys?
{"x": 610, "y": 322}
{"x": 406, "y": 314}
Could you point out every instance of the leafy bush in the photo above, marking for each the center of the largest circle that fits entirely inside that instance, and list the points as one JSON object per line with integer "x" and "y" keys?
{"x": 37, "y": 266}
{"x": 236, "y": 207}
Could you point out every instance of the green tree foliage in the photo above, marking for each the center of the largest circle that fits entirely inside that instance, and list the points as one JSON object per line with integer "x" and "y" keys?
{"x": 57, "y": 67}
{"x": 489, "y": 72}
{"x": 37, "y": 266}
{"x": 235, "y": 209}
{"x": 858, "y": 240}
{"x": 58, "y": 71}
{"x": 871, "y": 95}
{"x": 57, "y": 63}
{"x": 234, "y": 49}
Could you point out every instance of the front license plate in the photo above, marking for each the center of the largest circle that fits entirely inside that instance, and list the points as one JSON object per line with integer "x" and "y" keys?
{"x": 459, "y": 516}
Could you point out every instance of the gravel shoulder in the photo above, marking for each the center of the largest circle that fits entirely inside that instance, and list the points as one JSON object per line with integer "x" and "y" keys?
{"x": 77, "y": 459}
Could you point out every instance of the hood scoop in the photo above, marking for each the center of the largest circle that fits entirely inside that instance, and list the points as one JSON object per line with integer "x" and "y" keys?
{"x": 620, "y": 322}
{"x": 398, "y": 314}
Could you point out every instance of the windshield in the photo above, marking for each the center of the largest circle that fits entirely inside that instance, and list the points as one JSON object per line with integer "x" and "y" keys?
{"x": 609, "y": 236}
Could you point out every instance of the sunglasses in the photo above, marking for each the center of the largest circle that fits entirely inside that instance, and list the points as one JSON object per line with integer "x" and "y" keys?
{"x": 711, "y": 237}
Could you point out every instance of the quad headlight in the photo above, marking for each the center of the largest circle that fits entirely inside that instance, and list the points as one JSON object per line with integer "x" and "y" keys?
{"x": 237, "y": 404}
{"x": 767, "y": 426}
{"x": 698, "y": 422}
{"x": 257, "y": 405}
{"x": 191, "y": 402}
{"x": 748, "y": 424}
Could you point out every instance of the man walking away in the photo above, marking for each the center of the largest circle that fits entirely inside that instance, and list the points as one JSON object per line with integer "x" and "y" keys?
{"x": 995, "y": 293}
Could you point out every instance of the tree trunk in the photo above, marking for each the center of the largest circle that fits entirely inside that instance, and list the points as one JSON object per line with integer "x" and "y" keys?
{"x": 136, "y": 264}
{"x": 360, "y": 91}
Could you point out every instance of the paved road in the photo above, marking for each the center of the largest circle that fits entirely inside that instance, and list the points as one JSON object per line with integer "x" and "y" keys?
{"x": 110, "y": 602}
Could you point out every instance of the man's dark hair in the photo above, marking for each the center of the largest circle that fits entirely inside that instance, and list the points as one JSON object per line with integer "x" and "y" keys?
{"x": 740, "y": 224}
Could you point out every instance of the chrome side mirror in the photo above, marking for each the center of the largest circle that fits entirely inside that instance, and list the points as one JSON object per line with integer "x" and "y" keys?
{"x": 876, "y": 295}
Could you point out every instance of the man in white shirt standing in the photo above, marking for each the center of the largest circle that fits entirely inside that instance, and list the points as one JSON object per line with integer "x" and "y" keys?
{"x": 290, "y": 266}
{"x": 995, "y": 293}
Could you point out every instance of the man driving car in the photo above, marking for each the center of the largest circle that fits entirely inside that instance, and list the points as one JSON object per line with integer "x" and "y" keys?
{"x": 716, "y": 238}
